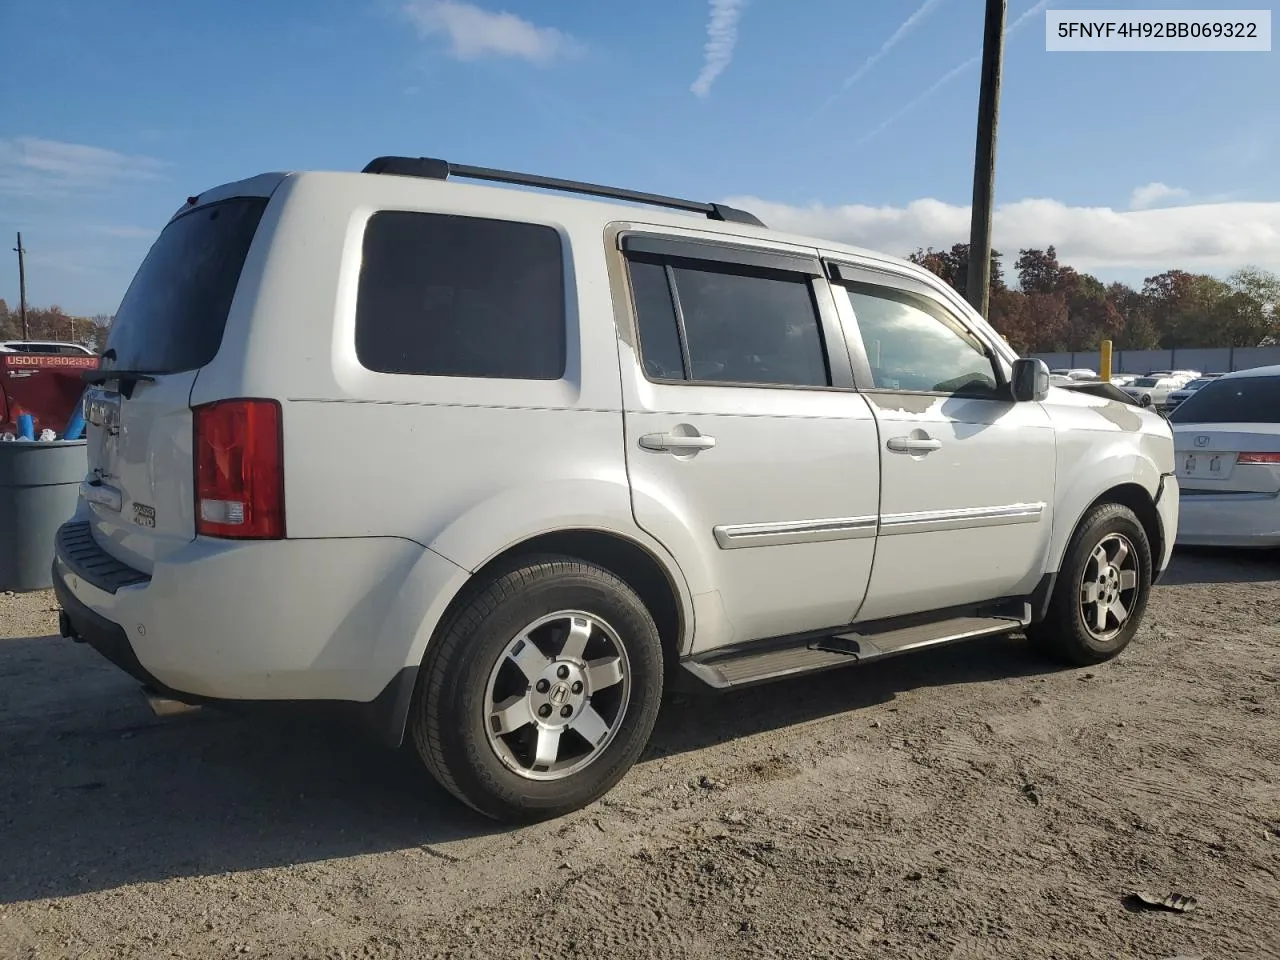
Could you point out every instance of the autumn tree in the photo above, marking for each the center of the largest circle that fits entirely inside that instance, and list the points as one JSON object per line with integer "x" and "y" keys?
{"x": 953, "y": 266}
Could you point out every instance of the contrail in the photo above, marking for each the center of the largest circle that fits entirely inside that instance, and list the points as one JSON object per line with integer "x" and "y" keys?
{"x": 907, "y": 26}
{"x": 903, "y": 29}
{"x": 947, "y": 78}
{"x": 722, "y": 37}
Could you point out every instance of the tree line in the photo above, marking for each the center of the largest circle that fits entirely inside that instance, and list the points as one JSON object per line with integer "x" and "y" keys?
{"x": 53, "y": 323}
{"x": 1054, "y": 308}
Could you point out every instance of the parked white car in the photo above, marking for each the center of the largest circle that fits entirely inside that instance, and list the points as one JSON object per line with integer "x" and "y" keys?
{"x": 493, "y": 464}
{"x": 52, "y": 347}
{"x": 1152, "y": 391}
{"x": 1227, "y": 436}
{"x": 1076, "y": 373}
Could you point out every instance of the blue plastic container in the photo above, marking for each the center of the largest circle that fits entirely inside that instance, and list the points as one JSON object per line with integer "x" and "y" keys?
{"x": 74, "y": 429}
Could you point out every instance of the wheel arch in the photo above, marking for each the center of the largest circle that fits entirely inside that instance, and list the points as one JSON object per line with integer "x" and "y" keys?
{"x": 1130, "y": 494}
{"x": 658, "y": 583}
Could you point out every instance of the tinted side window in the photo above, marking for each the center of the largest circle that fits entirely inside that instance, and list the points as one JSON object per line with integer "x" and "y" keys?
{"x": 449, "y": 296}
{"x": 736, "y": 325}
{"x": 913, "y": 344}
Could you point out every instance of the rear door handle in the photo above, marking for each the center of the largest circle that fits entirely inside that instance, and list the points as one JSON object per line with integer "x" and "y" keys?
{"x": 677, "y": 443}
{"x": 913, "y": 445}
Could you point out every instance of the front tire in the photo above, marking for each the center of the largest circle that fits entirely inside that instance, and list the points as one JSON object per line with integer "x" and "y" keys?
{"x": 1102, "y": 589}
{"x": 541, "y": 692}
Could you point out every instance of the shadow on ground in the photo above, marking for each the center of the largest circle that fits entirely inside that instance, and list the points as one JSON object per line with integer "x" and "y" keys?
{"x": 1207, "y": 565}
{"x": 95, "y": 792}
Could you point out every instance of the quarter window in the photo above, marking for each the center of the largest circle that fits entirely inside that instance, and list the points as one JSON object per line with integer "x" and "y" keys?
{"x": 449, "y": 296}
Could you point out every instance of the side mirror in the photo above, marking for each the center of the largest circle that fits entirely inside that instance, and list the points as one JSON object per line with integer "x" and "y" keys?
{"x": 1030, "y": 380}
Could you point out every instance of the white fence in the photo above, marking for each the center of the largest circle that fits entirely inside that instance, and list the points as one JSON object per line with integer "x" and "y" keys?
{"x": 1206, "y": 359}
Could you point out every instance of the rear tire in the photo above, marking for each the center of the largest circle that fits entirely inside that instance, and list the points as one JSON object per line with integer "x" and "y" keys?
{"x": 541, "y": 692}
{"x": 1102, "y": 589}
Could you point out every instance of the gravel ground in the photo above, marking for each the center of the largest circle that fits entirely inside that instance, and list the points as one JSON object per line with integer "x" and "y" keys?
{"x": 963, "y": 802}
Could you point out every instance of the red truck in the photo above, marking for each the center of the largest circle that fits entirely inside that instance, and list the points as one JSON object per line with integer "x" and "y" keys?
{"x": 41, "y": 378}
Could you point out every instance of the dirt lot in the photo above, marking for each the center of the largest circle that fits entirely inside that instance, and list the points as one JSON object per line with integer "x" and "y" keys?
{"x": 968, "y": 802}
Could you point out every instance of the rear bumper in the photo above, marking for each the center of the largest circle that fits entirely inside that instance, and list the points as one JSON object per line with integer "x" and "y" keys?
{"x": 320, "y": 620}
{"x": 1230, "y": 520}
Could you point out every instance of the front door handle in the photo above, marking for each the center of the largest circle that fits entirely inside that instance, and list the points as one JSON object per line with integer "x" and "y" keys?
{"x": 913, "y": 444}
{"x": 677, "y": 443}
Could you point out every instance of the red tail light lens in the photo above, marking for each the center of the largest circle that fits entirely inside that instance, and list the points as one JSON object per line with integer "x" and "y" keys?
{"x": 1269, "y": 458}
{"x": 239, "y": 460}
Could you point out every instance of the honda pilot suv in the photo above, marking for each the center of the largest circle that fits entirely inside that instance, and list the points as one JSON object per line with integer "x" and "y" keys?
{"x": 495, "y": 466}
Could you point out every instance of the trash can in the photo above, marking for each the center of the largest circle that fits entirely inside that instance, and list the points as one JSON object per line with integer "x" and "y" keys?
{"x": 39, "y": 485}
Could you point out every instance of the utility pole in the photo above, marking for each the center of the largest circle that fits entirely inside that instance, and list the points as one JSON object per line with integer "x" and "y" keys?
{"x": 978, "y": 286}
{"x": 22, "y": 287}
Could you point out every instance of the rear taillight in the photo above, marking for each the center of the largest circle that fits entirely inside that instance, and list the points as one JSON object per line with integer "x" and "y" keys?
{"x": 1268, "y": 458}
{"x": 239, "y": 462}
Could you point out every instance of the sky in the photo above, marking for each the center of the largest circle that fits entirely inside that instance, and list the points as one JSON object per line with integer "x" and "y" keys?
{"x": 848, "y": 120}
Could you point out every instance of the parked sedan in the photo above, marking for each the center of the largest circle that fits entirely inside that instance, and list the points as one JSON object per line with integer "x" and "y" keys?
{"x": 1182, "y": 393}
{"x": 1152, "y": 391}
{"x": 1227, "y": 438}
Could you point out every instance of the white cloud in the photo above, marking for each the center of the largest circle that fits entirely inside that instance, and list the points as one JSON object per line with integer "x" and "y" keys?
{"x": 1152, "y": 194}
{"x": 722, "y": 37}
{"x": 32, "y": 165}
{"x": 474, "y": 32}
{"x": 907, "y": 26}
{"x": 1212, "y": 237}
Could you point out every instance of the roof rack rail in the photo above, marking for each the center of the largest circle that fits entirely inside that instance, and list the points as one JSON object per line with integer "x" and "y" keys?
{"x": 433, "y": 169}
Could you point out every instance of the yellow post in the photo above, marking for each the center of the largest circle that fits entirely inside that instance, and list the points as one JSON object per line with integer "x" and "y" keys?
{"x": 1104, "y": 362}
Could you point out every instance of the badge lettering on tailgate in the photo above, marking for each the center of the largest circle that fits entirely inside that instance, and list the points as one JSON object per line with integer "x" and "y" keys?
{"x": 143, "y": 515}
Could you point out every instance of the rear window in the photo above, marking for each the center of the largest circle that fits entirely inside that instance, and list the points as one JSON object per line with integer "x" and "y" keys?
{"x": 450, "y": 296}
{"x": 175, "y": 310}
{"x": 1238, "y": 400}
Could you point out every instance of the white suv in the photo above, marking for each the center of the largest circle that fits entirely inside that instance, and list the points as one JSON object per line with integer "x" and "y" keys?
{"x": 497, "y": 464}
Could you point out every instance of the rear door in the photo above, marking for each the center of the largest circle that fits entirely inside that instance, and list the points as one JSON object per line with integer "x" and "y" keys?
{"x": 1227, "y": 437}
{"x": 140, "y": 485}
{"x": 746, "y": 442}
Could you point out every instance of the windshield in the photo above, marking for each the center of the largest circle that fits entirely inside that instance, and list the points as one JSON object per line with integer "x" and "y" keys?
{"x": 173, "y": 315}
{"x": 1197, "y": 384}
{"x": 1237, "y": 400}
{"x": 1145, "y": 382}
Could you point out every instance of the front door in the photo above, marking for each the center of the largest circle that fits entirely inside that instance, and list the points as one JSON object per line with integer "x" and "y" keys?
{"x": 966, "y": 474}
{"x": 750, "y": 455}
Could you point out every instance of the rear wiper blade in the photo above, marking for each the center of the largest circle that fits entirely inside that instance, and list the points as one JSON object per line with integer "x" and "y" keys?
{"x": 127, "y": 379}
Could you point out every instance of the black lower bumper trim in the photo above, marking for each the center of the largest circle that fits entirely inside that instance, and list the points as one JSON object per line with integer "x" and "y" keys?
{"x": 80, "y": 623}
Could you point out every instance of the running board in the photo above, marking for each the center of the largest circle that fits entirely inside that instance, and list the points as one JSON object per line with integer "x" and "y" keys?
{"x": 756, "y": 662}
